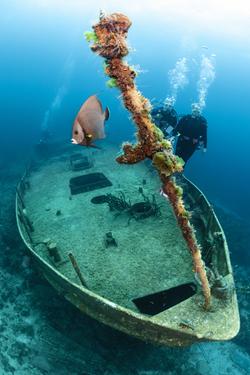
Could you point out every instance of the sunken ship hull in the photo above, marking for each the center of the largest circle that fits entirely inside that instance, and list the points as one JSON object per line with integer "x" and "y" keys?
{"x": 107, "y": 241}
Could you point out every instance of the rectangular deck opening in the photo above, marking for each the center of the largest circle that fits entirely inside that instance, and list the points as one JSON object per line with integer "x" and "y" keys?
{"x": 155, "y": 303}
{"x": 88, "y": 182}
{"x": 79, "y": 162}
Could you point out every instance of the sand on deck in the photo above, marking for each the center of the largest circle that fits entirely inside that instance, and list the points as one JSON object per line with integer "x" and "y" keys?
{"x": 151, "y": 254}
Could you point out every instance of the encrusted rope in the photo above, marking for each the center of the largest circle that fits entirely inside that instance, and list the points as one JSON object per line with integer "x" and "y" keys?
{"x": 109, "y": 41}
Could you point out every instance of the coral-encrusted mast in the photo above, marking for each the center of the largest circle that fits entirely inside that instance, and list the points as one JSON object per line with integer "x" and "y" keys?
{"x": 109, "y": 39}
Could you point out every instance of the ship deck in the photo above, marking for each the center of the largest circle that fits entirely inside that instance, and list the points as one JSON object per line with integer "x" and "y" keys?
{"x": 150, "y": 255}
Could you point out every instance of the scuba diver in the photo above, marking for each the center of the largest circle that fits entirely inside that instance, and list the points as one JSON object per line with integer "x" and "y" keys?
{"x": 43, "y": 144}
{"x": 45, "y": 136}
{"x": 192, "y": 134}
{"x": 165, "y": 117}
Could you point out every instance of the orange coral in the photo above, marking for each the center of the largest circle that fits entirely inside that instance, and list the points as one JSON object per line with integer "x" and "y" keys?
{"x": 111, "y": 32}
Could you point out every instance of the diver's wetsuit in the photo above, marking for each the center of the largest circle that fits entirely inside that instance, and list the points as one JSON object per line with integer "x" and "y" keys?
{"x": 165, "y": 119}
{"x": 193, "y": 132}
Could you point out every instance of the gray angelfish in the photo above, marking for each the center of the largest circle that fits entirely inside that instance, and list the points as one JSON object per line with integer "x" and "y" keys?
{"x": 89, "y": 123}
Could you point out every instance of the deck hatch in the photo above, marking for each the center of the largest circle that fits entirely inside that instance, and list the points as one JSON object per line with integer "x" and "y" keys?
{"x": 79, "y": 162}
{"x": 88, "y": 182}
{"x": 155, "y": 303}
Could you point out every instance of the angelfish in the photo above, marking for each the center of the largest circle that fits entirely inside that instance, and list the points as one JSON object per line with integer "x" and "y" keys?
{"x": 89, "y": 123}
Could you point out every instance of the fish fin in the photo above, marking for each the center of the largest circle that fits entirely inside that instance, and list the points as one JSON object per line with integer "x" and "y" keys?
{"x": 94, "y": 146}
{"x": 106, "y": 114}
{"x": 99, "y": 102}
{"x": 88, "y": 136}
{"x": 92, "y": 104}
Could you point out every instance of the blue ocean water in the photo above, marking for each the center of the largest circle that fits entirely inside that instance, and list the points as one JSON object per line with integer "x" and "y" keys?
{"x": 45, "y": 58}
{"x": 47, "y": 70}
